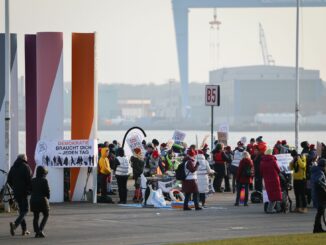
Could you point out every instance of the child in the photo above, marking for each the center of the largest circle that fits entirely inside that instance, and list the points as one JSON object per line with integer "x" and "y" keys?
{"x": 244, "y": 177}
{"x": 40, "y": 200}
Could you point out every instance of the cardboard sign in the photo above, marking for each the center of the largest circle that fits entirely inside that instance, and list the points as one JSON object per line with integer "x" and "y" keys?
{"x": 66, "y": 153}
{"x": 178, "y": 136}
{"x": 283, "y": 161}
{"x": 319, "y": 148}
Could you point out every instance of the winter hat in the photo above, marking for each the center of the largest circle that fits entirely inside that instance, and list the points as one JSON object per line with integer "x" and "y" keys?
{"x": 322, "y": 162}
{"x": 200, "y": 152}
{"x": 269, "y": 152}
{"x": 163, "y": 145}
{"x": 312, "y": 147}
{"x": 304, "y": 144}
{"x": 278, "y": 142}
{"x": 150, "y": 145}
{"x": 259, "y": 139}
{"x": 191, "y": 152}
{"x": 284, "y": 142}
{"x": 227, "y": 148}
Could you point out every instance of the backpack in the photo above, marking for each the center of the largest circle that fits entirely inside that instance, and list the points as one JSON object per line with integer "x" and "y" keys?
{"x": 180, "y": 173}
{"x": 246, "y": 172}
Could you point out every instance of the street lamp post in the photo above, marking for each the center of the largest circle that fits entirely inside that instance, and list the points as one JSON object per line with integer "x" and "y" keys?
{"x": 297, "y": 79}
{"x": 7, "y": 90}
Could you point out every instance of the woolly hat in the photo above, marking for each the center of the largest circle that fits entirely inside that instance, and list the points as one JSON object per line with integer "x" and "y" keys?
{"x": 218, "y": 146}
{"x": 284, "y": 142}
{"x": 200, "y": 152}
{"x": 150, "y": 145}
{"x": 304, "y": 144}
{"x": 163, "y": 145}
{"x": 322, "y": 162}
{"x": 259, "y": 139}
{"x": 191, "y": 152}
{"x": 312, "y": 147}
{"x": 278, "y": 142}
{"x": 269, "y": 152}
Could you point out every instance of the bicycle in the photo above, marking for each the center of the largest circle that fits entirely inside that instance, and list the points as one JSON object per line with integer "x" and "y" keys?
{"x": 7, "y": 195}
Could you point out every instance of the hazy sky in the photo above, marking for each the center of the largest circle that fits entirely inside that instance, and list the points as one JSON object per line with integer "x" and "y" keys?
{"x": 136, "y": 38}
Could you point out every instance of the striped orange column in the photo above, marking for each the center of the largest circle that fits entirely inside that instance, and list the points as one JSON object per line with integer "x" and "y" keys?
{"x": 83, "y": 104}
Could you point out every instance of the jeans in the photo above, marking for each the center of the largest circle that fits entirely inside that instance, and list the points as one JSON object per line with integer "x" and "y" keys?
{"x": 23, "y": 210}
{"x": 38, "y": 228}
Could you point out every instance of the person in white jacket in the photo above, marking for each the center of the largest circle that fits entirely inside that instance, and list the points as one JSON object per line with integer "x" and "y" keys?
{"x": 202, "y": 176}
{"x": 122, "y": 174}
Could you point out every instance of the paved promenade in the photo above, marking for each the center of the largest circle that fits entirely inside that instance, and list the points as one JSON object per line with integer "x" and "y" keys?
{"x": 84, "y": 223}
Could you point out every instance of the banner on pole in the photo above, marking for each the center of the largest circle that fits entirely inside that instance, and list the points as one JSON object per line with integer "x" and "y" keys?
{"x": 178, "y": 136}
{"x": 66, "y": 153}
{"x": 135, "y": 141}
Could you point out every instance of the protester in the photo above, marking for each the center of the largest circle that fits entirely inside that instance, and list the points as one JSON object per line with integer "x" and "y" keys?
{"x": 203, "y": 173}
{"x": 237, "y": 156}
{"x": 261, "y": 145}
{"x": 298, "y": 165}
{"x": 19, "y": 178}
{"x": 270, "y": 173}
{"x": 105, "y": 171}
{"x": 189, "y": 185}
{"x": 244, "y": 177}
{"x": 137, "y": 164}
{"x": 122, "y": 175}
{"x": 40, "y": 200}
{"x": 220, "y": 159}
{"x": 318, "y": 181}
{"x": 251, "y": 147}
{"x": 258, "y": 177}
{"x": 227, "y": 177}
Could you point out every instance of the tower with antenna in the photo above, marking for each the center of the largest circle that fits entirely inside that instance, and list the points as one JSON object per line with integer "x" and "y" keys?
{"x": 267, "y": 58}
{"x": 214, "y": 41}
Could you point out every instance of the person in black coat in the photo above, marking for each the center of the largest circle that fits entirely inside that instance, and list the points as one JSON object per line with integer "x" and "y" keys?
{"x": 40, "y": 200}
{"x": 19, "y": 178}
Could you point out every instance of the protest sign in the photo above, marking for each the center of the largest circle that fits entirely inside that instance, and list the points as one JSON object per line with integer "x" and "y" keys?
{"x": 178, "y": 136}
{"x": 66, "y": 153}
{"x": 223, "y": 133}
{"x": 283, "y": 161}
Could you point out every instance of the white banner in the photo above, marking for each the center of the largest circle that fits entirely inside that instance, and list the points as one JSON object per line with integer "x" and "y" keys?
{"x": 66, "y": 153}
{"x": 283, "y": 161}
{"x": 178, "y": 136}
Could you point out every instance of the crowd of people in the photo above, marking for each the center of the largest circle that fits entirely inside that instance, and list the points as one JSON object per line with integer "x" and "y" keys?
{"x": 244, "y": 167}
{"x": 250, "y": 167}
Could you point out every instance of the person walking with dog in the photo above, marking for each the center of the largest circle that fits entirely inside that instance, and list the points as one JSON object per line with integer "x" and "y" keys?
{"x": 19, "y": 178}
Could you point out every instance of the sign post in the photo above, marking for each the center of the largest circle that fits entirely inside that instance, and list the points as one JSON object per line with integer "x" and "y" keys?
{"x": 212, "y": 98}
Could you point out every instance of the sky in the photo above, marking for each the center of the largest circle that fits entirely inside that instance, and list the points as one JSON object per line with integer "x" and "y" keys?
{"x": 136, "y": 38}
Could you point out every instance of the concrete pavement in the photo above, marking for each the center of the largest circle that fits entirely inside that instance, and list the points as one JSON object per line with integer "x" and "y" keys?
{"x": 85, "y": 223}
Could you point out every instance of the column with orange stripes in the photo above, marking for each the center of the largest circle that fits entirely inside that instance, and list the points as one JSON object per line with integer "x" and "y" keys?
{"x": 84, "y": 106}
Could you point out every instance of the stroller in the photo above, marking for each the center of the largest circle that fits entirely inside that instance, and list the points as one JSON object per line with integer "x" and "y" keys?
{"x": 284, "y": 206}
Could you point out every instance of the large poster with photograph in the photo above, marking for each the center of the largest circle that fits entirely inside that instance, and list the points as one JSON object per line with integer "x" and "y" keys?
{"x": 66, "y": 153}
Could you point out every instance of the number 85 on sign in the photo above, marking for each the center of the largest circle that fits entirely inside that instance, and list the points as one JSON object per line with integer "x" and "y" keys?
{"x": 212, "y": 95}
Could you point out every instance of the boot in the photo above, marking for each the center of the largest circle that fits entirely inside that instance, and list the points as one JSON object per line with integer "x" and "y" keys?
{"x": 12, "y": 228}
{"x": 318, "y": 229}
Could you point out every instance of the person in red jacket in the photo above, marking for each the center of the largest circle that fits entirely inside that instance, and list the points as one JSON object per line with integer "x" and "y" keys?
{"x": 244, "y": 177}
{"x": 269, "y": 170}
